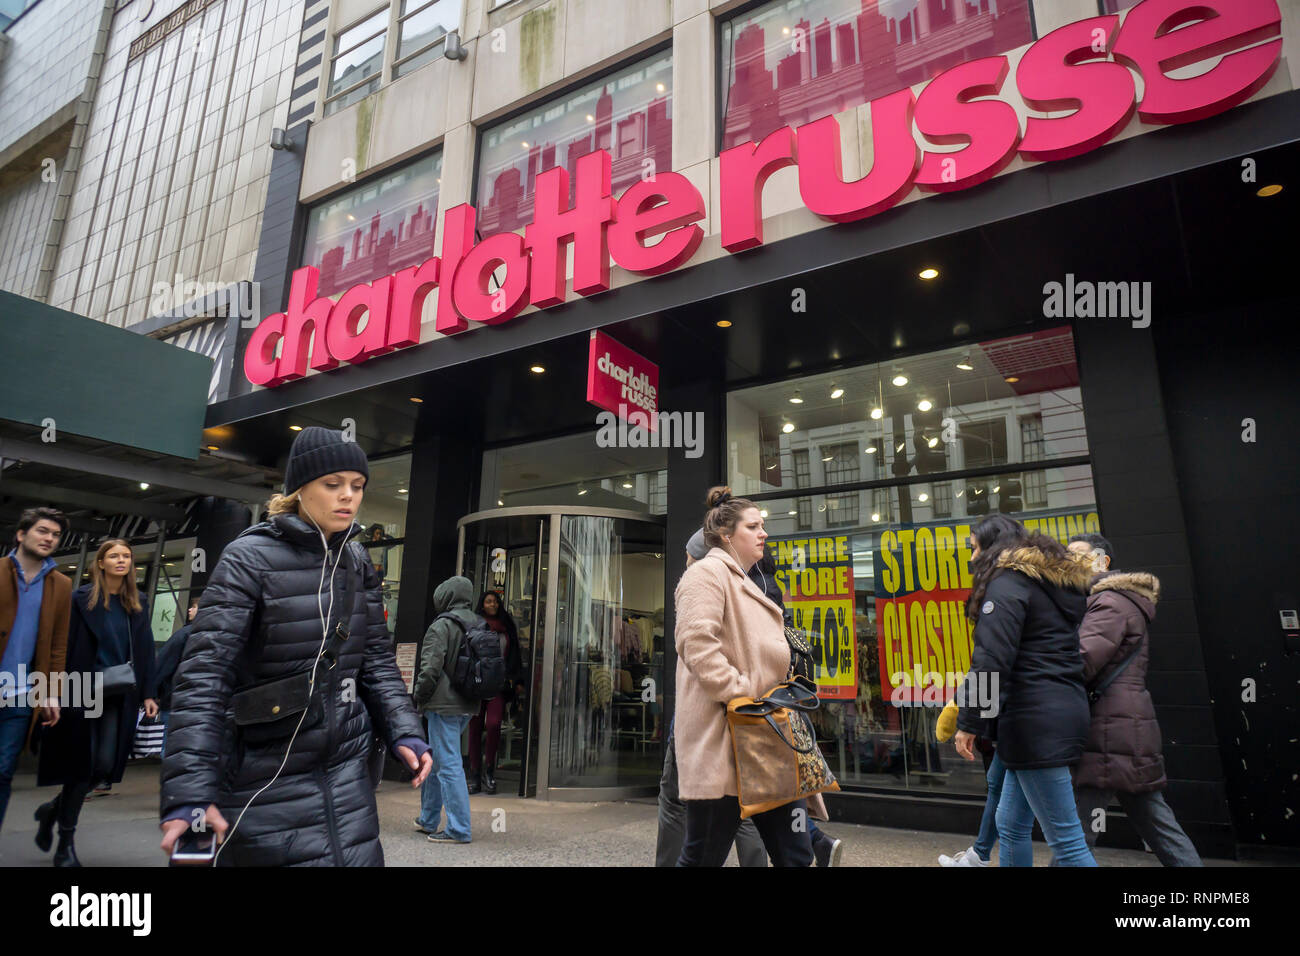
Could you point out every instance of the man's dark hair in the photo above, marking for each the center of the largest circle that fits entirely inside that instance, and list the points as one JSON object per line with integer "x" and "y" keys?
{"x": 194, "y": 600}
{"x": 28, "y": 519}
{"x": 1097, "y": 542}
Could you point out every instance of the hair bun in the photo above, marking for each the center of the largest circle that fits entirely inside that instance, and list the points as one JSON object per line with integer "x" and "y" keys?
{"x": 718, "y": 495}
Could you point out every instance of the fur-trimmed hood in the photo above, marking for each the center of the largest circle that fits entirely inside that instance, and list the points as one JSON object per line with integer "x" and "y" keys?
{"x": 1070, "y": 572}
{"x": 1141, "y": 583}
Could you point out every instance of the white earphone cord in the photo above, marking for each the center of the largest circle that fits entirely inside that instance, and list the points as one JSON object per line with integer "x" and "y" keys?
{"x": 311, "y": 687}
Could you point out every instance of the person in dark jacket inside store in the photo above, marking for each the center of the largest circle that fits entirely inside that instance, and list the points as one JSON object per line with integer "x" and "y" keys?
{"x": 491, "y": 711}
{"x": 1123, "y": 758}
{"x": 169, "y": 658}
{"x": 108, "y": 630}
{"x": 294, "y": 790}
{"x": 1025, "y": 688}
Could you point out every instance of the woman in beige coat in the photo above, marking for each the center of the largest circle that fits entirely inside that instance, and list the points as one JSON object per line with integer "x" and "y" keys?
{"x": 730, "y": 643}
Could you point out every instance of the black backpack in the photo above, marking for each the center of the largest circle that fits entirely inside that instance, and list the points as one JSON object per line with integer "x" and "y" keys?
{"x": 479, "y": 671}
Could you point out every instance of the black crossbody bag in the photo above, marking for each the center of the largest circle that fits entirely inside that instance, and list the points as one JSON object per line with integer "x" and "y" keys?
{"x": 271, "y": 710}
{"x": 1097, "y": 690}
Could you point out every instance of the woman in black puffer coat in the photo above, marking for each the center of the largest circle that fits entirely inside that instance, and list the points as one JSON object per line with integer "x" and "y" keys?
{"x": 262, "y": 617}
{"x": 1025, "y": 684}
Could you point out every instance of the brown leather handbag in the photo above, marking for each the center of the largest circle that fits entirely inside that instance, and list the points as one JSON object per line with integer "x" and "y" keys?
{"x": 777, "y": 757}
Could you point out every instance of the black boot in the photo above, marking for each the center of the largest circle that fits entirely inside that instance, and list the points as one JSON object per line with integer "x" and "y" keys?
{"x": 473, "y": 782}
{"x": 66, "y": 854}
{"x": 489, "y": 779}
{"x": 46, "y": 814}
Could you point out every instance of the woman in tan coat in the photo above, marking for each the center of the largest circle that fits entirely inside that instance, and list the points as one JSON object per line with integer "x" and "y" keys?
{"x": 730, "y": 643}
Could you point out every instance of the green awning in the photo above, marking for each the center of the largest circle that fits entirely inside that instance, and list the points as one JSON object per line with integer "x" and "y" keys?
{"x": 99, "y": 381}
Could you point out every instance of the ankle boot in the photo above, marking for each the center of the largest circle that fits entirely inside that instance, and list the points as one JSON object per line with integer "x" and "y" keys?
{"x": 66, "y": 854}
{"x": 46, "y": 814}
{"x": 472, "y": 782}
{"x": 489, "y": 779}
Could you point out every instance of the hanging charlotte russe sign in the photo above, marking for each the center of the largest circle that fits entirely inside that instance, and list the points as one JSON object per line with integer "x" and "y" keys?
{"x": 622, "y": 381}
{"x": 1082, "y": 67}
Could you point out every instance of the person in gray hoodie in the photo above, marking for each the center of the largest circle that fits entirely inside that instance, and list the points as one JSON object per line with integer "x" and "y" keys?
{"x": 446, "y": 714}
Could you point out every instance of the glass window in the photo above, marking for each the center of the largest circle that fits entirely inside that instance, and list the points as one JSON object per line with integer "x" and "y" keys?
{"x": 383, "y": 512}
{"x": 575, "y": 470}
{"x": 420, "y": 32}
{"x": 946, "y": 411}
{"x": 376, "y": 228}
{"x": 358, "y": 56}
{"x": 793, "y": 61}
{"x": 628, "y": 113}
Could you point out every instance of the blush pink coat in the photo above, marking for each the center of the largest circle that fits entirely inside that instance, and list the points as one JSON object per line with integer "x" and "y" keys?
{"x": 730, "y": 642}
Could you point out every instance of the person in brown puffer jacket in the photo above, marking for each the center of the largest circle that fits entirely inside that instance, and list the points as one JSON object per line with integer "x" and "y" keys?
{"x": 1122, "y": 759}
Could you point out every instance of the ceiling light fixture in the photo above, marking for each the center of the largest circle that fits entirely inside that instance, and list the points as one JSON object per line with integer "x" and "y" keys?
{"x": 877, "y": 413}
{"x": 1011, "y": 379}
{"x": 836, "y": 391}
{"x": 901, "y": 446}
{"x": 996, "y": 489}
{"x": 537, "y": 369}
{"x": 762, "y": 513}
{"x": 627, "y": 484}
{"x": 295, "y": 428}
{"x": 418, "y": 401}
{"x": 960, "y": 493}
{"x": 923, "y": 497}
{"x": 788, "y": 427}
{"x": 792, "y": 512}
{"x": 212, "y": 448}
{"x": 401, "y": 491}
{"x": 932, "y": 442}
{"x": 899, "y": 378}
{"x": 965, "y": 364}
{"x": 829, "y": 458}
{"x": 144, "y": 486}
{"x": 500, "y": 503}
{"x": 929, "y": 273}
{"x": 871, "y": 449}
{"x": 723, "y": 323}
{"x": 875, "y": 516}
{"x": 1267, "y": 191}
{"x": 925, "y": 405}
{"x": 582, "y": 491}
{"x": 796, "y": 398}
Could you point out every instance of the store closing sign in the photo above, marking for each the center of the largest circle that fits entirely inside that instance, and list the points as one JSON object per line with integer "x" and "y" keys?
{"x": 622, "y": 381}
{"x": 816, "y": 580}
{"x": 1083, "y": 67}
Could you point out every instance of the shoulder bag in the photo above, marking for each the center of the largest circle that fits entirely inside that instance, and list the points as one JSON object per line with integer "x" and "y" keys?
{"x": 272, "y": 710}
{"x": 120, "y": 678}
{"x": 776, "y": 753}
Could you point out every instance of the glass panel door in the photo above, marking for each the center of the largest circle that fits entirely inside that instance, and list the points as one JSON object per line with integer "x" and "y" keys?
{"x": 607, "y": 697}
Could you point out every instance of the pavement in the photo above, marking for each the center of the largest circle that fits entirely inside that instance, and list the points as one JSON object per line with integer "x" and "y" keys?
{"x": 121, "y": 829}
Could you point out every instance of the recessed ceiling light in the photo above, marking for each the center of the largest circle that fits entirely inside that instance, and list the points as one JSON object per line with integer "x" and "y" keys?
{"x": 932, "y": 442}
{"x": 771, "y": 466}
{"x": 960, "y": 493}
{"x": 788, "y": 427}
{"x": 899, "y": 378}
{"x": 871, "y": 449}
{"x": 401, "y": 491}
{"x": 965, "y": 364}
{"x": 590, "y": 118}
{"x": 525, "y": 145}
{"x": 627, "y": 484}
{"x": 537, "y": 369}
{"x": 828, "y": 458}
{"x": 212, "y": 448}
{"x": 788, "y": 512}
{"x": 1267, "y": 191}
{"x": 659, "y": 87}
{"x": 723, "y": 323}
{"x": 900, "y": 447}
{"x": 923, "y": 497}
{"x": 1011, "y": 379}
{"x": 295, "y": 428}
{"x": 996, "y": 489}
{"x": 796, "y": 399}
{"x": 837, "y": 392}
{"x": 144, "y": 486}
{"x": 925, "y": 405}
{"x": 875, "y": 516}
{"x": 500, "y": 503}
{"x": 582, "y": 491}
{"x": 877, "y": 414}
{"x": 417, "y": 400}
{"x": 930, "y": 273}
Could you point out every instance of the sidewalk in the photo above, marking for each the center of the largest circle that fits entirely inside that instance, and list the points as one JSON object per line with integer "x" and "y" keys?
{"x": 122, "y": 830}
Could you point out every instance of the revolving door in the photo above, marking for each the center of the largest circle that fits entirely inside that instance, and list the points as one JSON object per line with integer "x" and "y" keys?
{"x": 586, "y": 590}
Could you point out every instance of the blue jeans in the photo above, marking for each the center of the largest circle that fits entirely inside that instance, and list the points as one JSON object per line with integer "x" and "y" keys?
{"x": 1047, "y": 795}
{"x": 445, "y": 787}
{"x": 988, "y": 834}
{"x": 13, "y": 731}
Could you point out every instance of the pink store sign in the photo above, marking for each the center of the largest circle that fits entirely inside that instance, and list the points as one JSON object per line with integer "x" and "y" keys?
{"x": 622, "y": 381}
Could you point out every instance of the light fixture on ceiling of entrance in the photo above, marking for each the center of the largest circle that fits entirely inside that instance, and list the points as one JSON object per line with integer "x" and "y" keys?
{"x": 923, "y": 497}
{"x": 723, "y": 323}
{"x": 822, "y": 508}
{"x": 659, "y": 87}
{"x": 537, "y": 369}
{"x": 965, "y": 364}
{"x": 788, "y": 427}
{"x": 785, "y": 30}
{"x": 929, "y": 273}
{"x": 932, "y": 442}
{"x": 924, "y": 405}
{"x": 796, "y": 398}
{"x": 771, "y": 466}
{"x": 1266, "y": 191}
{"x": 899, "y": 378}
{"x": 525, "y": 145}
{"x": 836, "y": 391}
{"x": 1011, "y": 379}
{"x": 144, "y": 486}
{"x": 877, "y": 413}
{"x": 960, "y": 493}
{"x": 295, "y": 428}
{"x": 875, "y": 516}
{"x": 417, "y": 400}
{"x": 871, "y": 449}
{"x": 582, "y": 491}
{"x": 627, "y": 484}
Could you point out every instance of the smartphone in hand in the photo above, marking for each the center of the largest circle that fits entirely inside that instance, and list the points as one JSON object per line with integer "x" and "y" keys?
{"x": 194, "y": 848}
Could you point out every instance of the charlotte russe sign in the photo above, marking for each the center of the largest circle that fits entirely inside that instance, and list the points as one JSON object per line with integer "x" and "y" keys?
{"x": 622, "y": 381}
{"x": 1082, "y": 68}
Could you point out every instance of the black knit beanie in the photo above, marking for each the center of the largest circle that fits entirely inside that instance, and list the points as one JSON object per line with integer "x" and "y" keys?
{"x": 321, "y": 451}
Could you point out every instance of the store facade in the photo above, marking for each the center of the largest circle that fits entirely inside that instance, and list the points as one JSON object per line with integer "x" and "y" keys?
{"x": 874, "y": 365}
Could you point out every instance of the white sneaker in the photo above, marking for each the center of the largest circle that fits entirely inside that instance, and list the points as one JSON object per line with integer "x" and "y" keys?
{"x": 967, "y": 857}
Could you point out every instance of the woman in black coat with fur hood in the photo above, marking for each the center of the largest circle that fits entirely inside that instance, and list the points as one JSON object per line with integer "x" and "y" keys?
{"x": 1025, "y": 684}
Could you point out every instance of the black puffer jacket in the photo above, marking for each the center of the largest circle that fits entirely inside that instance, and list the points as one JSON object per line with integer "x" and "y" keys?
{"x": 1027, "y": 636}
{"x": 259, "y": 620}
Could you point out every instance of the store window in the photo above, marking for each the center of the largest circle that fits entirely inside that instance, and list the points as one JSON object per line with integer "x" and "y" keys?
{"x": 415, "y": 30}
{"x": 790, "y": 62}
{"x": 628, "y": 113}
{"x": 575, "y": 470}
{"x": 876, "y": 568}
{"x": 383, "y": 514}
{"x": 376, "y": 228}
